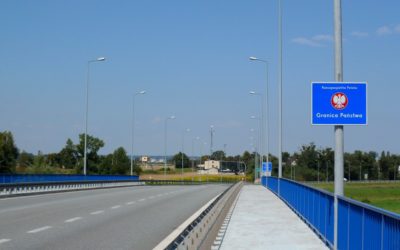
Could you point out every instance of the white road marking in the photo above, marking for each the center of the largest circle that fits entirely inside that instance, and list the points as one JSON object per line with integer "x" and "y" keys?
{"x": 142, "y": 199}
{"x": 130, "y": 203}
{"x": 115, "y": 207}
{"x": 37, "y": 230}
{"x": 4, "y": 240}
{"x": 73, "y": 219}
{"x": 97, "y": 212}
{"x": 152, "y": 197}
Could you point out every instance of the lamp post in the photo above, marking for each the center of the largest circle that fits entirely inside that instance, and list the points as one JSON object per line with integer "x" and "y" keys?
{"x": 133, "y": 124}
{"x": 260, "y": 134}
{"x": 266, "y": 102}
{"x": 172, "y": 117}
{"x": 264, "y": 141}
{"x": 183, "y": 149}
{"x": 211, "y": 140}
{"x": 193, "y": 159}
{"x": 100, "y": 59}
{"x": 280, "y": 94}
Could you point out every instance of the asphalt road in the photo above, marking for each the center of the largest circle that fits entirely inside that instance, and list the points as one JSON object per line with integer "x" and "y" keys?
{"x": 121, "y": 218}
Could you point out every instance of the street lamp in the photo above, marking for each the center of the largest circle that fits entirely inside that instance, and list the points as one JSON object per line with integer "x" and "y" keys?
{"x": 100, "y": 59}
{"x": 133, "y": 124}
{"x": 192, "y": 158}
{"x": 183, "y": 149}
{"x": 172, "y": 117}
{"x": 266, "y": 101}
{"x": 211, "y": 141}
{"x": 261, "y": 156}
{"x": 262, "y": 128}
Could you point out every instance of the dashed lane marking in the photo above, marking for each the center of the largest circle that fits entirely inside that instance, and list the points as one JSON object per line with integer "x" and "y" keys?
{"x": 40, "y": 229}
{"x": 4, "y": 240}
{"x": 97, "y": 212}
{"x": 73, "y": 219}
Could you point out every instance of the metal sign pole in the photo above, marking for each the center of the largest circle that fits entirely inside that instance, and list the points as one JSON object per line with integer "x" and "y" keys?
{"x": 339, "y": 133}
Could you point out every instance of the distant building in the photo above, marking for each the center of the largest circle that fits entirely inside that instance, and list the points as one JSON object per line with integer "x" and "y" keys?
{"x": 144, "y": 159}
{"x": 214, "y": 167}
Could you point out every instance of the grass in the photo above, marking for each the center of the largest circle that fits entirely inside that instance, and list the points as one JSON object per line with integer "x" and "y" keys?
{"x": 188, "y": 176}
{"x": 382, "y": 195}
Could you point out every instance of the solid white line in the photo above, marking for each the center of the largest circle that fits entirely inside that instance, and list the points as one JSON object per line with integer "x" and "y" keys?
{"x": 4, "y": 240}
{"x": 164, "y": 243}
{"x": 115, "y": 207}
{"x": 97, "y": 212}
{"x": 37, "y": 230}
{"x": 73, "y": 219}
{"x": 130, "y": 203}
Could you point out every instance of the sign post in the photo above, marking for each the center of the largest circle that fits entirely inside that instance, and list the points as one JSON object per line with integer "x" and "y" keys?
{"x": 338, "y": 104}
{"x": 267, "y": 168}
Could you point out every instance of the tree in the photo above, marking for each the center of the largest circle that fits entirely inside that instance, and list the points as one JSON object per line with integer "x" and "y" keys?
{"x": 178, "y": 160}
{"x": 8, "y": 153}
{"x": 69, "y": 156}
{"x": 106, "y": 164}
{"x": 93, "y": 146}
{"x": 25, "y": 160}
{"x": 218, "y": 155}
{"x": 120, "y": 162}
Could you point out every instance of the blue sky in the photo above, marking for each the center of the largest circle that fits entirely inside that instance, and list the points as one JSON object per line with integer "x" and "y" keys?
{"x": 192, "y": 59}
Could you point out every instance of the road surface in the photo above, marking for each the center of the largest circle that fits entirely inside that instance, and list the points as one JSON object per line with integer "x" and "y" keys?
{"x": 120, "y": 218}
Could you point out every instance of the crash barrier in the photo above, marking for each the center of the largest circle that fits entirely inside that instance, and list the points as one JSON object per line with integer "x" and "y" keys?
{"x": 193, "y": 234}
{"x": 15, "y": 189}
{"x": 360, "y": 226}
{"x": 35, "y": 178}
{"x": 64, "y": 184}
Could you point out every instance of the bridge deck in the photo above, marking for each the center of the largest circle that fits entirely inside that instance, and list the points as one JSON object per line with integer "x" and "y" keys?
{"x": 261, "y": 220}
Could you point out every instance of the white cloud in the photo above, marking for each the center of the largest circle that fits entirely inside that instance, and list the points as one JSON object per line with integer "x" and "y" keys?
{"x": 397, "y": 28}
{"x": 315, "y": 41}
{"x": 359, "y": 34}
{"x": 322, "y": 38}
{"x": 384, "y": 30}
{"x": 306, "y": 41}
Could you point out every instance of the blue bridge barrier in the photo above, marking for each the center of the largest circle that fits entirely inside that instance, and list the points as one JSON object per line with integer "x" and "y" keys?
{"x": 35, "y": 178}
{"x": 360, "y": 226}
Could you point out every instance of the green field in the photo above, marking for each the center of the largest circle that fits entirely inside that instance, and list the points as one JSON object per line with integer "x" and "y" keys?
{"x": 383, "y": 195}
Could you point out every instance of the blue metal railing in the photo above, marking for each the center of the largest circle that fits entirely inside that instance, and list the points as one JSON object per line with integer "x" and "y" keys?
{"x": 360, "y": 226}
{"x": 35, "y": 178}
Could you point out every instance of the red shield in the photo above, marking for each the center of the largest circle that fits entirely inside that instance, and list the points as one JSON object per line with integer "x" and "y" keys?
{"x": 339, "y": 101}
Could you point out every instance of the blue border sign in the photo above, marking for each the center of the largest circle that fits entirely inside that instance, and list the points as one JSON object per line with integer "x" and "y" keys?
{"x": 267, "y": 166}
{"x": 339, "y": 103}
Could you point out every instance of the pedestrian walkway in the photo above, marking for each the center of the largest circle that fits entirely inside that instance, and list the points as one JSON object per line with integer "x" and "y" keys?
{"x": 260, "y": 220}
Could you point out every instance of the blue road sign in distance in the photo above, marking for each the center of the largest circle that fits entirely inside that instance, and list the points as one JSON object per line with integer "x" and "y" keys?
{"x": 339, "y": 103}
{"x": 267, "y": 166}
{"x": 264, "y": 167}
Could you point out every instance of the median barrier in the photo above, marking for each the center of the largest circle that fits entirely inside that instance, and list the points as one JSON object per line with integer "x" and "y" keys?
{"x": 193, "y": 232}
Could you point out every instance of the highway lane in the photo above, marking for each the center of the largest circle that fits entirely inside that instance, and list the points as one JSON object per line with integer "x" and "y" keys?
{"x": 121, "y": 218}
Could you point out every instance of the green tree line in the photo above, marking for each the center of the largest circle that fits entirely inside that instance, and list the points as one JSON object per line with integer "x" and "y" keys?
{"x": 68, "y": 160}
{"x": 309, "y": 163}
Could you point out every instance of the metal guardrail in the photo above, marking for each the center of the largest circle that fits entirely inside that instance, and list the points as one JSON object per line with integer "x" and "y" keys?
{"x": 61, "y": 183}
{"x": 33, "y": 178}
{"x": 13, "y": 189}
{"x": 193, "y": 235}
{"x": 361, "y": 226}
